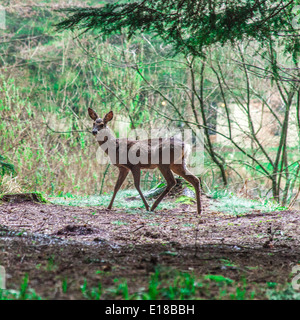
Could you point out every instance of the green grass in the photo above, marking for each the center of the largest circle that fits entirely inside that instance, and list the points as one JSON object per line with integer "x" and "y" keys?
{"x": 104, "y": 200}
{"x": 228, "y": 202}
{"x": 286, "y": 293}
{"x": 225, "y": 201}
{"x": 25, "y": 292}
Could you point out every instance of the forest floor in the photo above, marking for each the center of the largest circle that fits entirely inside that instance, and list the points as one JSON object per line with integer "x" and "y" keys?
{"x": 65, "y": 252}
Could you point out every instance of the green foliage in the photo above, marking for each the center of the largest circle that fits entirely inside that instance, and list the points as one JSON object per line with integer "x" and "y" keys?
{"x": 287, "y": 293}
{"x": 5, "y": 167}
{"x": 190, "y": 26}
{"x": 232, "y": 204}
{"x": 182, "y": 286}
{"x": 93, "y": 293}
{"x": 40, "y": 197}
{"x": 25, "y": 292}
{"x": 219, "y": 278}
{"x": 104, "y": 200}
{"x": 166, "y": 283}
{"x": 64, "y": 285}
{"x": 44, "y": 131}
{"x": 185, "y": 200}
{"x": 218, "y": 192}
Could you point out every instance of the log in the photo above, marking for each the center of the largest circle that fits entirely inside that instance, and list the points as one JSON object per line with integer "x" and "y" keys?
{"x": 23, "y": 197}
{"x": 154, "y": 193}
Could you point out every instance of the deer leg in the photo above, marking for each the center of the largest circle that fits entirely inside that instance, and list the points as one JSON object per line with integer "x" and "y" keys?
{"x": 181, "y": 170}
{"x": 136, "y": 172}
{"x": 168, "y": 175}
{"x": 123, "y": 172}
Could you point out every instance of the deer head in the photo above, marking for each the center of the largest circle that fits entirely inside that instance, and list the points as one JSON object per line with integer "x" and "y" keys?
{"x": 99, "y": 124}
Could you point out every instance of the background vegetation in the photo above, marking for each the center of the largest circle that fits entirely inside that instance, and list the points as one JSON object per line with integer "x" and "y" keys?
{"x": 243, "y": 95}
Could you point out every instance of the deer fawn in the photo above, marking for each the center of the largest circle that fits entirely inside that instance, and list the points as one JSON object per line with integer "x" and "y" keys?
{"x": 120, "y": 152}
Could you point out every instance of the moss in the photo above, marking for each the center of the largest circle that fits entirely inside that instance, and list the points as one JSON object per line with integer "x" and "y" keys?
{"x": 23, "y": 197}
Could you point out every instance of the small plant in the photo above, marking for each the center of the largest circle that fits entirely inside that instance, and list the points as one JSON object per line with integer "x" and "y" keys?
{"x": 64, "y": 285}
{"x": 123, "y": 290}
{"x": 185, "y": 200}
{"x": 152, "y": 293}
{"x": 51, "y": 265}
{"x": 227, "y": 263}
{"x": 171, "y": 285}
{"x": 93, "y": 293}
{"x": 240, "y": 293}
{"x": 25, "y": 293}
{"x": 271, "y": 285}
{"x": 219, "y": 193}
{"x": 219, "y": 279}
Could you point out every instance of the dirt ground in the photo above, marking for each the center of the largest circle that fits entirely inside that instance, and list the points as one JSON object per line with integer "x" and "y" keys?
{"x": 53, "y": 244}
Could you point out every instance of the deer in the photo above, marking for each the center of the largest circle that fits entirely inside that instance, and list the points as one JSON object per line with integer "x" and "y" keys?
{"x": 120, "y": 153}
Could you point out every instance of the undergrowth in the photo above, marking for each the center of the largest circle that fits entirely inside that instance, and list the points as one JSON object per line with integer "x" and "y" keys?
{"x": 103, "y": 200}
{"x": 228, "y": 202}
{"x": 167, "y": 284}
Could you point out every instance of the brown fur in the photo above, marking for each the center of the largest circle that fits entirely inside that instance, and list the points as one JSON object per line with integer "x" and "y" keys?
{"x": 146, "y": 149}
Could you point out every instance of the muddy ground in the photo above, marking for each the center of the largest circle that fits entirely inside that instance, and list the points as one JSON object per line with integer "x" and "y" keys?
{"x": 62, "y": 247}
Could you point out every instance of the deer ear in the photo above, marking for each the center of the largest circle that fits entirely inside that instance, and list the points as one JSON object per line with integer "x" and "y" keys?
{"x": 93, "y": 114}
{"x": 108, "y": 117}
